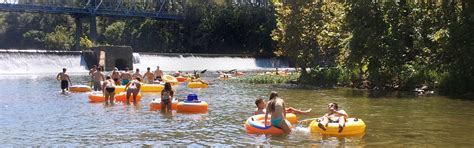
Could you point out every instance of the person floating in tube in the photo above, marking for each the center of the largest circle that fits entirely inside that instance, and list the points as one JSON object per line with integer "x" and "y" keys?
{"x": 65, "y": 80}
{"x": 334, "y": 115}
{"x": 158, "y": 74}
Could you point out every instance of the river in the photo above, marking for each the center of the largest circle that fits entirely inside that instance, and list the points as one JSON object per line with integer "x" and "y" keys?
{"x": 33, "y": 112}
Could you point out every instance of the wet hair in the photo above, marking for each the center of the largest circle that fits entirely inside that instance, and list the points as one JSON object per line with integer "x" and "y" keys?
{"x": 138, "y": 79}
{"x": 258, "y": 101}
{"x": 273, "y": 95}
{"x": 168, "y": 89}
{"x": 148, "y": 68}
{"x": 64, "y": 69}
{"x": 335, "y": 105}
{"x": 138, "y": 69}
{"x": 108, "y": 77}
{"x": 271, "y": 106}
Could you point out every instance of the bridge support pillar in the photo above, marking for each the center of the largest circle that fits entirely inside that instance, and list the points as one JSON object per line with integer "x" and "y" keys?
{"x": 93, "y": 29}
{"x": 77, "y": 36}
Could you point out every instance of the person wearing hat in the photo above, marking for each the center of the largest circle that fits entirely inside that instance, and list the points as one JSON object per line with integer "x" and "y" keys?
{"x": 116, "y": 76}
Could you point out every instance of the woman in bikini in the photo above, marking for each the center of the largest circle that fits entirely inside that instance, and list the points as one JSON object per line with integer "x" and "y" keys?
{"x": 133, "y": 88}
{"x": 166, "y": 97}
{"x": 333, "y": 116}
{"x": 276, "y": 107}
{"x": 108, "y": 89}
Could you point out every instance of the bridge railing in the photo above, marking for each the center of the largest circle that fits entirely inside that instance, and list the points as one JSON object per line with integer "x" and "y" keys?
{"x": 138, "y": 8}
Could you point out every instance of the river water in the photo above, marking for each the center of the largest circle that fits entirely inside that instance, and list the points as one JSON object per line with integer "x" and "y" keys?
{"x": 33, "y": 112}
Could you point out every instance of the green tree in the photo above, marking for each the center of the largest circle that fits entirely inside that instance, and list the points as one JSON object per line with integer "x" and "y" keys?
{"x": 60, "y": 39}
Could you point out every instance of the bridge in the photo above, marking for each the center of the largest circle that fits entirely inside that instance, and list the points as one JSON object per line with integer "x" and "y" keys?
{"x": 89, "y": 9}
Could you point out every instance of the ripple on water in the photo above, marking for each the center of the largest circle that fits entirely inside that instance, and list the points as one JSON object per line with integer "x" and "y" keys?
{"x": 33, "y": 112}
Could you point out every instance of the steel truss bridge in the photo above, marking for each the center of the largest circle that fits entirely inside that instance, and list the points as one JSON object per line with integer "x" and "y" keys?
{"x": 80, "y": 9}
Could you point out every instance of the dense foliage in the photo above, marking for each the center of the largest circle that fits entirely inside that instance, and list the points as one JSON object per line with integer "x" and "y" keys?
{"x": 210, "y": 26}
{"x": 380, "y": 45}
{"x": 361, "y": 43}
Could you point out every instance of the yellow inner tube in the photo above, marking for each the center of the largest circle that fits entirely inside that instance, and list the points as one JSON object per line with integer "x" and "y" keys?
{"x": 353, "y": 126}
{"x": 197, "y": 85}
{"x": 170, "y": 79}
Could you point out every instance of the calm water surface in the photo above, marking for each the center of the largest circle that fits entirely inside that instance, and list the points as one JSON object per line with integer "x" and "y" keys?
{"x": 33, "y": 112}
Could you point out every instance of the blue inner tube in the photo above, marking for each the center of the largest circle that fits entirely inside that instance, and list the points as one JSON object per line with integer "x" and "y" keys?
{"x": 256, "y": 124}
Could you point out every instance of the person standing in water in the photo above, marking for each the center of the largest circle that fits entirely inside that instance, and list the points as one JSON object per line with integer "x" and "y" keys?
{"x": 116, "y": 76}
{"x": 158, "y": 73}
{"x": 65, "y": 80}
{"x": 276, "y": 107}
{"x": 108, "y": 88}
{"x": 167, "y": 95}
{"x": 91, "y": 73}
{"x": 98, "y": 77}
{"x": 126, "y": 76}
{"x": 149, "y": 77}
{"x": 133, "y": 88}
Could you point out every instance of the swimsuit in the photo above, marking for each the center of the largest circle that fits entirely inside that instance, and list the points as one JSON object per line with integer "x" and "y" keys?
{"x": 276, "y": 122}
{"x": 97, "y": 86}
{"x": 125, "y": 81}
{"x": 64, "y": 84}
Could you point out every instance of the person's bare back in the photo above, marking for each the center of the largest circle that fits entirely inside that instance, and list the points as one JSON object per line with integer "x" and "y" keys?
{"x": 62, "y": 76}
{"x": 98, "y": 76}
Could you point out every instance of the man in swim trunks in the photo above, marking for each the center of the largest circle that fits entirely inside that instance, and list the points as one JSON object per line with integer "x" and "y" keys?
{"x": 126, "y": 76}
{"x": 65, "y": 80}
{"x": 116, "y": 76}
{"x": 98, "y": 77}
{"x": 149, "y": 76}
{"x": 333, "y": 116}
{"x": 158, "y": 73}
{"x": 91, "y": 72}
{"x": 108, "y": 88}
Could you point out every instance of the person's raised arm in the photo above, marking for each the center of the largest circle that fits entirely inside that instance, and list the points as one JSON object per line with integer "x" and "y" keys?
{"x": 342, "y": 113}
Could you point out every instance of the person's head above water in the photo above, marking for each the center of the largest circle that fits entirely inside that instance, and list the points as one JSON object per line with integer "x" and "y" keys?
{"x": 138, "y": 70}
{"x": 148, "y": 69}
{"x": 167, "y": 86}
{"x": 273, "y": 95}
{"x": 64, "y": 69}
{"x": 259, "y": 103}
{"x": 157, "y": 67}
{"x": 332, "y": 106}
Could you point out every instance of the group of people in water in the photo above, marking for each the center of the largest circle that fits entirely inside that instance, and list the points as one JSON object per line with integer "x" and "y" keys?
{"x": 132, "y": 82}
{"x": 123, "y": 78}
{"x": 277, "y": 109}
